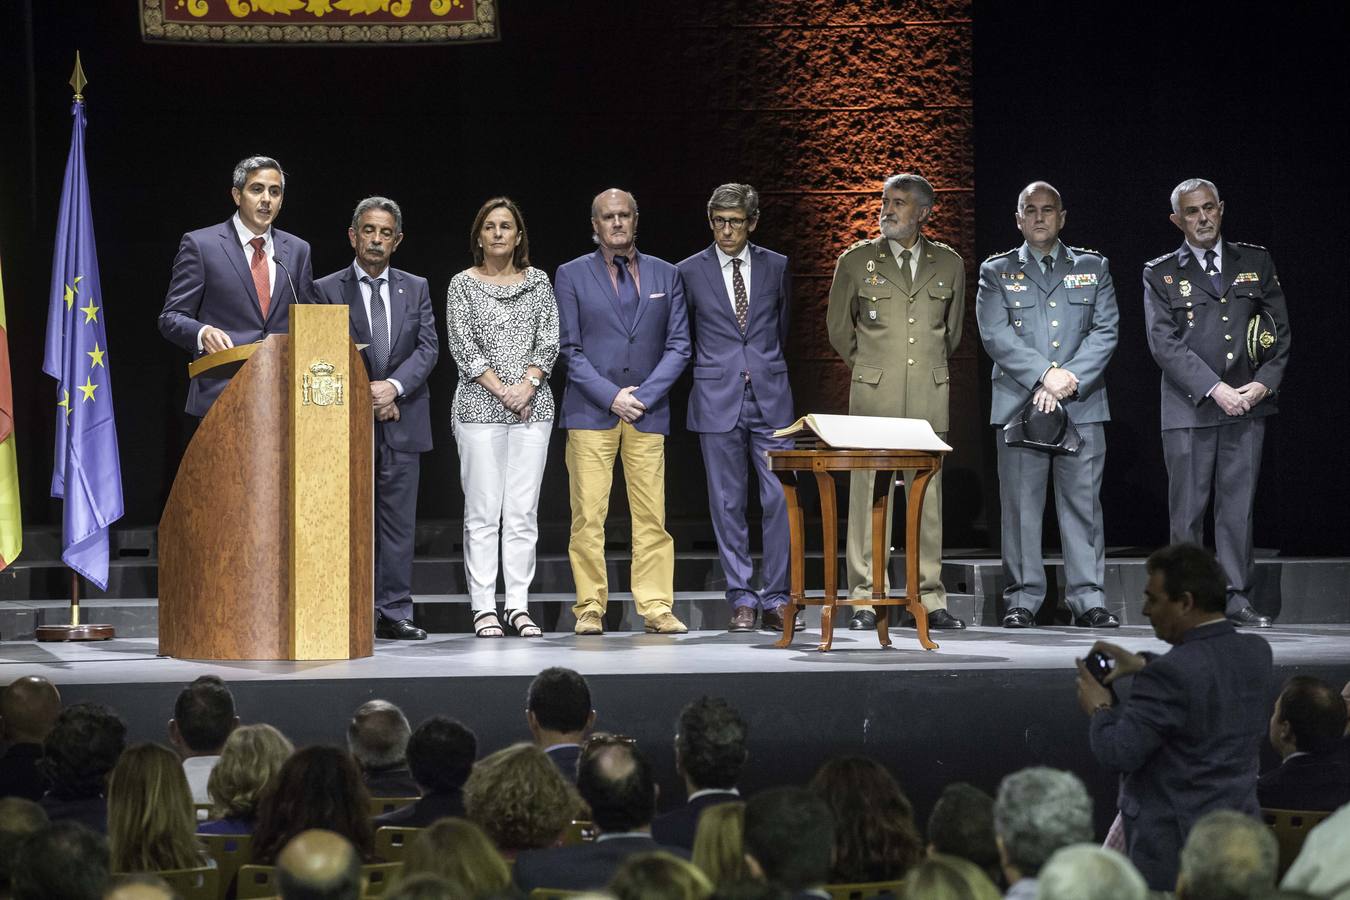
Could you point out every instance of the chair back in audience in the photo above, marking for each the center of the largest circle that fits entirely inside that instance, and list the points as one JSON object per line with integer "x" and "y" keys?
{"x": 199, "y": 883}
{"x": 1291, "y": 827}
{"x": 864, "y": 890}
{"x": 256, "y": 882}
{"x": 578, "y": 831}
{"x": 391, "y": 841}
{"x": 230, "y": 851}
{"x": 377, "y": 877}
{"x": 557, "y": 894}
{"x": 381, "y": 805}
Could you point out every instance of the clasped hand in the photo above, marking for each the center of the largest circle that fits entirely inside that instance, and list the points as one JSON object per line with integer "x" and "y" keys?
{"x": 626, "y": 406}
{"x": 1055, "y": 386}
{"x": 1239, "y": 401}
{"x": 519, "y": 399}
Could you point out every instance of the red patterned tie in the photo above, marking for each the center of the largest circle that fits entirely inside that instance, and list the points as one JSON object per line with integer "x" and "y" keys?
{"x": 259, "y": 267}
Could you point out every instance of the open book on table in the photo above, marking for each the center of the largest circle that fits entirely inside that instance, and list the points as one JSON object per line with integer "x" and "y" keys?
{"x": 866, "y": 432}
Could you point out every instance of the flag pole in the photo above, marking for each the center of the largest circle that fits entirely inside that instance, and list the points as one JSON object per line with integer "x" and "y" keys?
{"x": 75, "y": 631}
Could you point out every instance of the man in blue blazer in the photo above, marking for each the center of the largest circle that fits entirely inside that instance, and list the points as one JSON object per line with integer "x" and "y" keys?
{"x": 625, "y": 340}
{"x": 739, "y": 302}
{"x": 1188, "y": 739}
{"x": 391, "y": 314}
{"x": 233, "y": 283}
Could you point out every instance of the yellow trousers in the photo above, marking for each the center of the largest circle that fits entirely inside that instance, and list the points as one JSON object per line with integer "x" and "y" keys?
{"x": 590, "y": 468}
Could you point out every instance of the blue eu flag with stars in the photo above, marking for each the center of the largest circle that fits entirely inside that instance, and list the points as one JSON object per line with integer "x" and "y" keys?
{"x": 87, "y": 471}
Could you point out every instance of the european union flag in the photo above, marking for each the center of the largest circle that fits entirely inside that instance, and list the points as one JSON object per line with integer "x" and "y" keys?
{"x": 87, "y": 471}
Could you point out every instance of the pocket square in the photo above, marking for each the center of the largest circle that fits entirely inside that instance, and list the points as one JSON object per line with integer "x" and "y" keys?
{"x": 656, "y": 296}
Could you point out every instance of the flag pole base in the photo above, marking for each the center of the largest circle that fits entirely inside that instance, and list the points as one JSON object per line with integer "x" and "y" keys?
{"x": 75, "y": 632}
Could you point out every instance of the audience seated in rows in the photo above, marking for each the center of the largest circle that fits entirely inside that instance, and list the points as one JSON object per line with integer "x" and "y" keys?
{"x": 941, "y": 877}
{"x": 1322, "y": 867}
{"x": 317, "y": 788}
{"x": 138, "y": 886}
{"x": 319, "y": 865}
{"x": 789, "y": 839}
{"x": 875, "y": 838}
{"x": 559, "y": 713}
{"x": 719, "y": 847}
{"x": 710, "y": 751}
{"x": 251, "y": 758}
{"x": 28, "y": 710}
{"x": 1307, "y": 729}
{"x": 151, "y": 820}
{"x": 440, "y": 756}
{"x": 659, "y": 876}
{"x": 520, "y": 799}
{"x": 1038, "y": 811}
{"x": 962, "y": 824}
{"x": 19, "y": 818}
{"x": 615, "y": 779}
{"x": 62, "y": 861}
{"x": 203, "y": 717}
{"x": 458, "y": 852}
{"x": 377, "y": 738}
{"x": 1089, "y": 872}
{"x": 1228, "y": 856}
{"x": 77, "y": 758}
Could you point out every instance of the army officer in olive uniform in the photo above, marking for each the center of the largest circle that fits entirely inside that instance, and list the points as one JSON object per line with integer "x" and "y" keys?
{"x": 896, "y": 306}
{"x": 1047, "y": 315}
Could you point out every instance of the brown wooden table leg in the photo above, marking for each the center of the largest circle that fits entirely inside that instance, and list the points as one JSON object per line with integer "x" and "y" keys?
{"x": 797, "y": 557}
{"x": 830, "y": 521}
{"x": 881, "y": 484}
{"x": 913, "y": 514}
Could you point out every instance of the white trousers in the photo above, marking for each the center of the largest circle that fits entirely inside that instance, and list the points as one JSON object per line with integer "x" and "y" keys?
{"x": 501, "y": 468}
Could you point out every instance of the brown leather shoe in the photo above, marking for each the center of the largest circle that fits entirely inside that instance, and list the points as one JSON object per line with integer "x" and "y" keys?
{"x": 590, "y": 623}
{"x": 772, "y": 620}
{"x": 743, "y": 619}
{"x": 665, "y": 623}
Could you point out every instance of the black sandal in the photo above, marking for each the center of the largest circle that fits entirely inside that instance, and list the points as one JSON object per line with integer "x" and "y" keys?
{"x": 526, "y": 628}
{"x": 487, "y": 625}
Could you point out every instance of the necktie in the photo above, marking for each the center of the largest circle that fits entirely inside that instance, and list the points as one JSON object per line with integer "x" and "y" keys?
{"x": 259, "y": 267}
{"x": 1212, "y": 270}
{"x": 906, "y": 276}
{"x": 379, "y": 329}
{"x": 742, "y": 300}
{"x": 1048, "y": 263}
{"x": 628, "y": 295}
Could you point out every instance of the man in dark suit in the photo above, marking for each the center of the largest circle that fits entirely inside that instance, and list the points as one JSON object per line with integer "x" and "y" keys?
{"x": 710, "y": 752}
{"x": 1307, "y": 729}
{"x": 441, "y": 753}
{"x": 28, "y": 710}
{"x": 377, "y": 738}
{"x": 615, "y": 779}
{"x": 390, "y": 313}
{"x": 1198, "y": 300}
{"x": 233, "y": 283}
{"x": 739, "y": 302}
{"x": 789, "y": 840}
{"x": 558, "y": 711}
{"x": 625, "y": 340}
{"x": 1188, "y": 739}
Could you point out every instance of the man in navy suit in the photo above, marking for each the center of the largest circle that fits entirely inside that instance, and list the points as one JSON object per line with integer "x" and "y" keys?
{"x": 739, "y": 302}
{"x": 709, "y": 752}
{"x": 558, "y": 711}
{"x": 1307, "y": 729}
{"x": 1188, "y": 739}
{"x": 233, "y": 283}
{"x": 625, "y": 340}
{"x": 391, "y": 314}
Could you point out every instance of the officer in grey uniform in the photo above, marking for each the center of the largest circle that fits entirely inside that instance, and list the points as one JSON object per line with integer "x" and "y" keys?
{"x": 1198, "y": 301}
{"x": 1048, "y": 318}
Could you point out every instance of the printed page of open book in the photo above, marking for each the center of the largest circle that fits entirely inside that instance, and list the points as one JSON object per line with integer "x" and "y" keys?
{"x": 868, "y": 432}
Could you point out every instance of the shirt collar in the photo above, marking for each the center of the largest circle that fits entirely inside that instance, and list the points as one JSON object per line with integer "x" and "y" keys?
{"x": 552, "y": 747}
{"x": 897, "y": 248}
{"x": 706, "y": 791}
{"x": 245, "y": 235}
{"x": 1199, "y": 253}
{"x": 361, "y": 273}
{"x": 616, "y": 835}
{"x": 1027, "y": 253}
{"x": 608, "y": 255}
{"x": 723, "y": 260}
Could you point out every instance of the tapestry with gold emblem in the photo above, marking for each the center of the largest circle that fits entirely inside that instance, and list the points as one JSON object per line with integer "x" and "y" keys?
{"x": 334, "y": 22}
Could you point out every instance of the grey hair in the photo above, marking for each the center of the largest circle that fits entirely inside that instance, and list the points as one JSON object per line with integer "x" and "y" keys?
{"x": 1039, "y": 810}
{"x": 378, "y": 734}
{"x": 911, "y": 183}
{"x": 383, "y": 203}
{"x": 1229, "y": 856}
{"x": 246, "y": 167}
{"x": 1038, "y": 186}
{"x": 1089, "y": 872}
{"x": 735, "y": 196}
{"x": 1191, "y": 184}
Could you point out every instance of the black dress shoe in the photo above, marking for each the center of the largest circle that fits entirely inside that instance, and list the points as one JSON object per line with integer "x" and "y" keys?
{"x": 1097, "y": 617}
{"x": 1249, "y": 618}
{"x": 402, "y": 630}
{"x": 863, "y": 620}
{"x": 772, "y": 620}
{"x": 940, "y": 618}
{"x": 743, "y": 619}
{"x": 1019, "y": 617}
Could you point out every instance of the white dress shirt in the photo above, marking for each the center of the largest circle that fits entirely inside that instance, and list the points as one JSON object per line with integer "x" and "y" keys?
{"x": 388, "y": 322}
{"x": 727, "y": 269}
{"x": 244, "y": 237}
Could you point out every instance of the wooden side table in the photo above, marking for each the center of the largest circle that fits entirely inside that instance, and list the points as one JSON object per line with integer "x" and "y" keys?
{"x": 824, "y": 462}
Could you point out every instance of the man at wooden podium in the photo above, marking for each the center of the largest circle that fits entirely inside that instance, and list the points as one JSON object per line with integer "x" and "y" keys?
{"x": 233, "y": 283}
{"x": 391, "y": 314}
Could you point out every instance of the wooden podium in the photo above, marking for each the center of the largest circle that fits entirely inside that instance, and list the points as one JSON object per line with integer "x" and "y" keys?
{"x": 266, "y": 542}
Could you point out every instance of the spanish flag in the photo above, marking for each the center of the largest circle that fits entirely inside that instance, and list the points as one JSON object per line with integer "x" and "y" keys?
{"x": 11, "y": 524}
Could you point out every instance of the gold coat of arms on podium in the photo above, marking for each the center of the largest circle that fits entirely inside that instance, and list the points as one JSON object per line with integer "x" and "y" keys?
{"x": 322, "y": 386}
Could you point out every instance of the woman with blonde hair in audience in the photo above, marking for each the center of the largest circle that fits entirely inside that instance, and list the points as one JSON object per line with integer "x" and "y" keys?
{"x": 151, "y": 819}
{"x": 459, "y": 852}
{"x": 942, "y": 877}
{"x": 719, "y": 851}
{"x": 252, "y": 756}
{"x": 875, "y": 838}
{"x": 659, "y": 876}
{"x": 318, "y": 787}
{"x": 520, "y": 799}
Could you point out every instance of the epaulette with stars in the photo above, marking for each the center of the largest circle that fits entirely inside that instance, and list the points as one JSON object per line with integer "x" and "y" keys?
{"x": 947, "y": 247}
{"x": 1153, "y": 262}
{"x": 855, "y": 246}
{"x": 994, "y": 256}
{"x": 1086, "y": 250}
{"x": 1253, "y": 246}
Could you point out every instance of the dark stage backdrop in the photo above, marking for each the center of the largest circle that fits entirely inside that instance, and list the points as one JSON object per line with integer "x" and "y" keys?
{"x": 812, "y": 101}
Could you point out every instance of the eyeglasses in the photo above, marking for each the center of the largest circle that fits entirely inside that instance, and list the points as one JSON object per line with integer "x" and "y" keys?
{"x": 604, "y": 739}
{"x": 720, "y": 222}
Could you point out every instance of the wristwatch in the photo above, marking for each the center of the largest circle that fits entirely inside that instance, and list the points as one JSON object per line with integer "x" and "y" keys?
{"x": 532, "y": 380}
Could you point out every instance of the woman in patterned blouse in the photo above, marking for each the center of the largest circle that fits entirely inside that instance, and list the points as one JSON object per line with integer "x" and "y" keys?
{"x": 502, "y": 321}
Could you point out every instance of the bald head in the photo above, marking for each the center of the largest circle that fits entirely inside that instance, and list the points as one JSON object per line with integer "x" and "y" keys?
{"x": 140, "y": 886}
{"x": 28, "y": 709}
{"x": 1035, "y": 187}
{"x": 616, "y": 780}
{"x": 614, "y": 215}
{"x": 319, "y": 865}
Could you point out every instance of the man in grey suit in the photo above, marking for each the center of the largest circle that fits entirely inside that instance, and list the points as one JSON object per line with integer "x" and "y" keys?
{"x": 1048, "y": 318}
{"x": 1198, "y": 300}
{"x": 1188, "y": 739}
